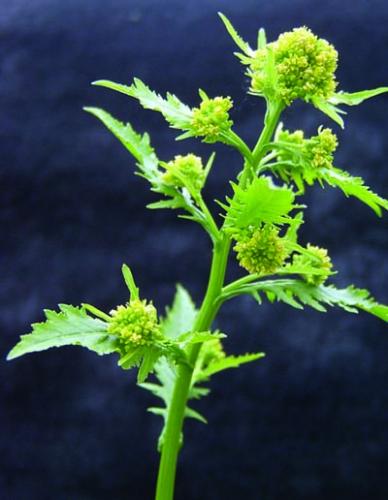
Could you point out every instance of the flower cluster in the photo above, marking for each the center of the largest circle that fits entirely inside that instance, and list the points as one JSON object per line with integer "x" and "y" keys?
{"x": 261, "y": 251}
{"x": 136, "y": 324}
{"x": 320, "y": 148}
{"x": 317, "y": 151}
{"x": 317, "y": 258}
{"x": 298, "y": 65}
{"x": 183, "y": 171}
{"x": 211, "y": 119}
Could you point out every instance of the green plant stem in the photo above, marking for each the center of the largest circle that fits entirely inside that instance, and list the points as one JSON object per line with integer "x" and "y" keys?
{"x": 270, "y": 122}
{"x": 176, "y": 411}
{"x": 206, "y": 315}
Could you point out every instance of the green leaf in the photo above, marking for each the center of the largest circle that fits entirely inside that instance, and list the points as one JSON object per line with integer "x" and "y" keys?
{"x": 200, "y": 337}
{"x": 151, "y": 356}
{"x": 244, "y": 46}
{"x": 261, "y": 39}
{"x": 130, "y": 282}
{"x": 138, "y": 145}
{"x": 226, "y": 363}
{"x": 180, "y": 318}
{"x": 330, "y": 110}
{"x": 177, "y": 114}
{"x": 355, "y": 98}
{"x": 70, "y": 326}
{"x": 353, "y": 186}
{"x": 261, "y": 201}
{"x": 297, "y": 293}
{"x": 166, "y": 375}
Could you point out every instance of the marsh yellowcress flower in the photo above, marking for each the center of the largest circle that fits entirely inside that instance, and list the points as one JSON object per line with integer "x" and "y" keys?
{"x": 261, "y": 251}
{"x": 184, "y": 170}
{"x": 318, "y": 260}
{"x": 298, "y": 65}
{"x": 212, "y": 118}
{"x": 135, "y": 324}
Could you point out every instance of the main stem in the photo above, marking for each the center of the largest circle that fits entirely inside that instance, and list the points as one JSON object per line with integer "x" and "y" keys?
{"x": 206, "y": 315}
{"x": 172, "y": 436}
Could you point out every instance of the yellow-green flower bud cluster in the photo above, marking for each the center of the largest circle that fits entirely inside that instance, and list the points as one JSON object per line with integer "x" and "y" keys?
{"x": 318, "y": 260}
{"x": 298, "y": 65}
{"x": 316, "y": 152}
{"x": 135, "y": 324}
{"x": 320, "y": 148}
{"x": 261, "y": 251}
{"x": 212, "y": 118}
{"x": 184, "y": 171}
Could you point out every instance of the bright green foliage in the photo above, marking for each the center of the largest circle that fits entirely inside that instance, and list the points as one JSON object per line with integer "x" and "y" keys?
{"x": 261, "y": 251}
{"x": 185, "y": 171}
{"x": 211, "y": 120}
{"x": 177, "y": 114}
{"x": 71, "y": 326}
{"x": 317, "y": 258}
{"x": 241, "y": 44}
{"x": 138, "y": 145}
{"x": 262, "y": 201}
{"x": 225, "y": 363}
{"x": 308, "y": 160}
{"x": 259, "y": 222}
{"x": 354, "y": 186}
{"x": 356, "y": 98}
{"x": 298, "y": 293}
{"x": 180, "y": 318}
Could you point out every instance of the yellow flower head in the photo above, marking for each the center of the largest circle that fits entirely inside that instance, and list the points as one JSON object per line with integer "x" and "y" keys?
{"x": 135, "y": 324}
{"x": 319, "y": 149}
{"x": 212, "y": 118}
{"x": 261, "y": 251}
{"x": 298, "y": 65}
{"x": 183, "y": 171}
{"x": 318, "y": 260}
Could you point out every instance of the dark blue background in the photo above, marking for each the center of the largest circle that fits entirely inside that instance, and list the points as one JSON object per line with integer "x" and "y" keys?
{"x": 309, "y": 421}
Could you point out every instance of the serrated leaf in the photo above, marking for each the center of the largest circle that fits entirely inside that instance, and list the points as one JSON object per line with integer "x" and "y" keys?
{"x": 132, "y": 358}
{"x": 180, "y": 318}
{"x": 353, "y": 186}
{"x": 261, "y": 201}
{"x": 227, "y": 363}
{"x": 330, "y": 110}
{"x": 355, "y": 98}
{"x": 70, "y": 326}
{"x": 190, "y": 413}
{"x": 138, "y": 145}
{"x": 298, "y": 293}
{"x": 176, "y": 113}
{"x": 148, "y": 362}
{"x": 200, "y": 337}
{"x": 241, "y": 44}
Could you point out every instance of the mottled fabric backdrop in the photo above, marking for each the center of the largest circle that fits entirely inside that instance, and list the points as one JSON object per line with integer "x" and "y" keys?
{"x": 307, "y": 422}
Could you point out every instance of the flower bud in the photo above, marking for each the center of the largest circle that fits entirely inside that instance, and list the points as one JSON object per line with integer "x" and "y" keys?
{"x": 261, "y": 251}
{"x": 183, "y": 171}
{"x": 318, "y": 260}
{"x": 212, "y": 118}
{"x": 319, "y": 149}
{"x": 298, "y": 65}
{"x": 135, "y": 324}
